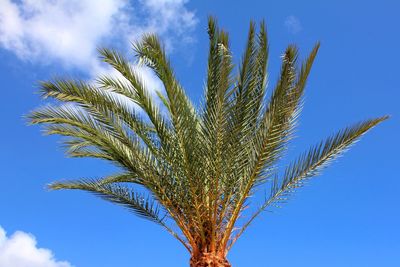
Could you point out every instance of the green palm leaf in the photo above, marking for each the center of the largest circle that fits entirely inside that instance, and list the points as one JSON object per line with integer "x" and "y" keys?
{"x": 311, "y": 163}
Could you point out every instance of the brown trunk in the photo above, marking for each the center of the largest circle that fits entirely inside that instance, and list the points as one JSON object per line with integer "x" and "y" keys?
{"x": 209, "y": 260}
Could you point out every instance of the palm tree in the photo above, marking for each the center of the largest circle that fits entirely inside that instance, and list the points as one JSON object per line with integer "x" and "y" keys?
{"x": 193, "y": 171}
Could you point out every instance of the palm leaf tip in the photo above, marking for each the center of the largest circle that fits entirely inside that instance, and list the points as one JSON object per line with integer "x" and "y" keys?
{"x": 55, "y": 186}
{"x": 76, "y": 184}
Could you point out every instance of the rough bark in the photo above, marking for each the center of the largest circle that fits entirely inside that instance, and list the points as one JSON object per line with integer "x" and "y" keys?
{"x": 208, "y": 260}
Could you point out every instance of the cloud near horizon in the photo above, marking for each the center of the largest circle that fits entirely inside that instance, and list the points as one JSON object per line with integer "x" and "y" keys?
{"x": 68, "y": 32}
{"x": 20, "y": 250}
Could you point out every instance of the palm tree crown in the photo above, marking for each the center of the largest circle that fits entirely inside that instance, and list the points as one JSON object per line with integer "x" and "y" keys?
{"x": 192, "y": 171}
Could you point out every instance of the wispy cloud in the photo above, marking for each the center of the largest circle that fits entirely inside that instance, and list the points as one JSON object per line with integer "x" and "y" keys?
{"x": 68, "y": 32}
{"x": 20, "y": 250}
{"x": 293, "y": 24}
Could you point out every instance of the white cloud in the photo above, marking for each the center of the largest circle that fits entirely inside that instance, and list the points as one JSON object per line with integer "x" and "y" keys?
{"x": 293, "y": 24}
{"x": 20, "y": 250}
{"x": 68, "y": 32}
{"x": 168, "y": 14}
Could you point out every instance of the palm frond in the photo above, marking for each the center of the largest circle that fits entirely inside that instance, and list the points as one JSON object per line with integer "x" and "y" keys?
{"x": 311, "y": 163}
{"x": 141, "y": 205}
{"x": 109, "y": 108}
{"x": 184, "y": 118}
{"x": 134, "y": 90}
{"x": 248, "y": 97}
{"x": 272, "y": 135}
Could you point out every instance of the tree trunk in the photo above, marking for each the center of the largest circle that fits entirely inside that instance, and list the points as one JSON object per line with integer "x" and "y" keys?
{"x": 208, "y": 260}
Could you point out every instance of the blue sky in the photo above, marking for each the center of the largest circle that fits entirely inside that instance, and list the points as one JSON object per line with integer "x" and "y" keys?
{"x": 348, "y": 217}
